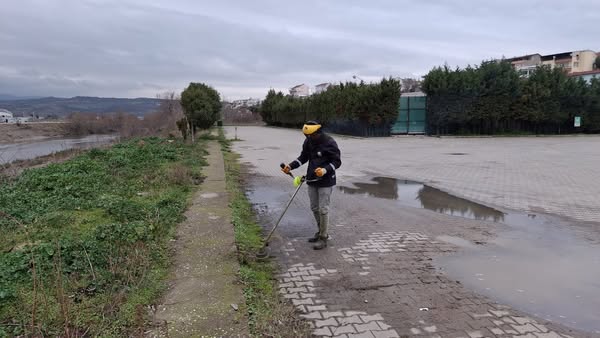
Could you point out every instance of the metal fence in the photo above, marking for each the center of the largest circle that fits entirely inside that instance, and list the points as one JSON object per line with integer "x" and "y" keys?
{"x": 412, "y": 115}
{"x": 357, "y": 128}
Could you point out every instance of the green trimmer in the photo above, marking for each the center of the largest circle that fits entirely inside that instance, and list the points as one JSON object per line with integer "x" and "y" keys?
{"x": 298, "y": 181}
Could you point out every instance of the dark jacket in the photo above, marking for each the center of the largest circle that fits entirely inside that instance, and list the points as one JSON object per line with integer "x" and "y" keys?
{"x": 323, "y": 153}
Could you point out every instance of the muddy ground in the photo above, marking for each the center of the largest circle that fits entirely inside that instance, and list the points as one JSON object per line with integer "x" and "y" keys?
{"x": 26, "y": 132}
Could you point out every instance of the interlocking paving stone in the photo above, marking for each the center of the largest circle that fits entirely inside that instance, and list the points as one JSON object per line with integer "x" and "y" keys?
{"x": 323, "y": 331}
{"x": 343, "y": 329}
{"x": 402, "y": 280}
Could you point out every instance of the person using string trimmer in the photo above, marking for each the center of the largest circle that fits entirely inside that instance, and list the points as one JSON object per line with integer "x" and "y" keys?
{"x": 323, "y": 156}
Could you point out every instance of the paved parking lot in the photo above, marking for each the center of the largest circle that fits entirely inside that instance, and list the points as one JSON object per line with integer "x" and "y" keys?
{"x": 557, "y": 175}
{"x": 380, "y": 276}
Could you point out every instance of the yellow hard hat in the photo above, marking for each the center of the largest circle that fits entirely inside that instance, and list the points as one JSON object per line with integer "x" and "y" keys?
{"x": 310, "y": 127}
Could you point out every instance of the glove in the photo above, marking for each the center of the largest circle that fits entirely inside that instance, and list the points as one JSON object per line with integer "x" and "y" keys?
{"x": 286, "y": 169}
{"x": 320, "y": 172}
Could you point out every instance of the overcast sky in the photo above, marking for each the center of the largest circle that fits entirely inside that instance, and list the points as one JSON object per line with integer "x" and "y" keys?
{"x": 132, "y": 48}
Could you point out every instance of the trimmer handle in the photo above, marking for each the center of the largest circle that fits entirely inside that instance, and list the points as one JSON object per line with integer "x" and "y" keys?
{"x": 282, "y": 165}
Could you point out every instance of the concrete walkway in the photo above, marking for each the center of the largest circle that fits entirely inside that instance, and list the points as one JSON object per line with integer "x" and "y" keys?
{"x": 204, "y": 292}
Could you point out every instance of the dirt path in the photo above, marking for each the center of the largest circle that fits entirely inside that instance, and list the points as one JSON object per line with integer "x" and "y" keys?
{"x": 204, "y": 292}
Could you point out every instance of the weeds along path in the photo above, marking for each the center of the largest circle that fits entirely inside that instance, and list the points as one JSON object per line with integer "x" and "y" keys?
{"x": 85, "y": 243}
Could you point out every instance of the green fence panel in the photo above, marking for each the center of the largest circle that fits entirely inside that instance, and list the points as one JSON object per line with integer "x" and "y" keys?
{"x": 412, "y": 112}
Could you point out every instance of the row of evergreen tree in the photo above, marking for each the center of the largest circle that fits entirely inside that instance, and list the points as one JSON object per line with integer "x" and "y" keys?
{"x": 493, "y": 99}
{"x": 354, "y": 103}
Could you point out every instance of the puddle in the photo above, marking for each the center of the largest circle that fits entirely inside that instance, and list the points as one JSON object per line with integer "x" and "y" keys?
{"x": 269, "y": 202}
{"x": 415, "y": 194}
{"x": 536, "y": 265}
{"x": 463, "y": 243}
{"x": 542, "y": 269}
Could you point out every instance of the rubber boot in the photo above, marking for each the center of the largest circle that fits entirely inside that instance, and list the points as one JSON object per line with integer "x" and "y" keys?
{"x": 315, "y": 238}
{"x": 323, "y": 225}
{"x": 320, "y": 244}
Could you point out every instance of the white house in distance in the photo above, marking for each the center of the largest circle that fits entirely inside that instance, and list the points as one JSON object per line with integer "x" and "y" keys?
{"x": 245, "y": 103}
{"x": 5, "y": 116}
{"x": 300, "y": 90}
{"x": 322, "y": 87}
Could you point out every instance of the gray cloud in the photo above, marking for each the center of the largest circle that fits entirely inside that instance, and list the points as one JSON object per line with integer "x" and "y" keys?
{"x": 142, "y": 47}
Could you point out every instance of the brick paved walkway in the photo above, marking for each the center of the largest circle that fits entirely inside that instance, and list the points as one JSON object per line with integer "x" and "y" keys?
{"x": 377, "y": 278}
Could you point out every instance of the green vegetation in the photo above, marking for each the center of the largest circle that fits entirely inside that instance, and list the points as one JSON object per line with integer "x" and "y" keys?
{"x": 85, "y": 242}
{"x": 201, "y": 105}
{"x": 493, "y": 99}
{"x": 269, "y": 315}
{"x": 340, "y": 106}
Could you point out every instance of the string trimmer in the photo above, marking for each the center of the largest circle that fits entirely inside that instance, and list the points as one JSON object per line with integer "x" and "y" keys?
{"x": 298, "y": 181}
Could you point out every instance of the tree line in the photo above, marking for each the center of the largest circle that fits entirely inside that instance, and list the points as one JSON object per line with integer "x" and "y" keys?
{"x": 351, "y": 108}
{"x": 493, "y": 99}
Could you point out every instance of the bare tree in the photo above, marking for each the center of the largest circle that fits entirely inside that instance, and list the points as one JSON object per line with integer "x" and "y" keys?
{"x": 164, "y": 120}
{"x": 79, "y": 124}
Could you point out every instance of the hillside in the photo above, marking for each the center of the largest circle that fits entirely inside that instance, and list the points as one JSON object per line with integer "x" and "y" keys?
{"x": 8, "y": 97}
{"x": 60, "y": 107}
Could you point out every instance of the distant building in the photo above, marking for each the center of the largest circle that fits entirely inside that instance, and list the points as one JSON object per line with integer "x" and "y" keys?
{"x": 322, "y": 87}
{"x": 250, "y": 102}
{"x": 5, "y": 116}
{"x": 5, "y": 113}
{"x": 570, "y": 62}
{"x": 301, "y": 90}
{"x": 8, "y": 117}
{"x": 587, "y": 76}
{"x": 409, "y": 85}
{"x": 526, "y": 64}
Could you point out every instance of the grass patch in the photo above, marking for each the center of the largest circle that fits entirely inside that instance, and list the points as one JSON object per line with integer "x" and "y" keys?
{"x": 269, "y": 315}
{"x": 85, "y": 242}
